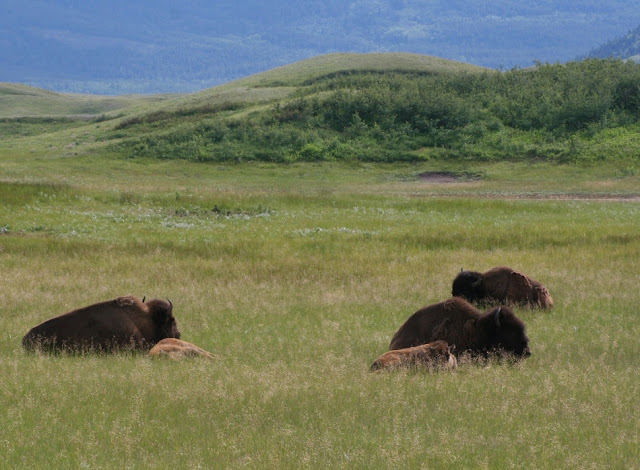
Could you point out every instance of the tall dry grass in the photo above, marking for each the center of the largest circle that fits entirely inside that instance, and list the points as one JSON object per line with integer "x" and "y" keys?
{"x": 295, "y": 294}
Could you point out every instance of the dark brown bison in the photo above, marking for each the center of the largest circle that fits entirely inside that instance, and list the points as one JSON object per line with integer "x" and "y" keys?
{"x": 501, "y": 285}
{"x": 458, "y": 322}
{"x": 173, "y": 348}
{"x": 122, "y": 323}
{"x": 435, "y": 355}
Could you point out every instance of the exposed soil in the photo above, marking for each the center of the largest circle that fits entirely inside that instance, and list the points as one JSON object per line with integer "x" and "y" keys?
{"x": 438, "y": 177}
{"x": 447, "y": 177}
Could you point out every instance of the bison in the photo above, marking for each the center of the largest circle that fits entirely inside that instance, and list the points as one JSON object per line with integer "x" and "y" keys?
{"x": 122, "y": 323}
{"x": 458, "y": 322}
{"x": 173, "y": 348}
{"x": 501, "y": 285}
{"x": 437, "y": 354}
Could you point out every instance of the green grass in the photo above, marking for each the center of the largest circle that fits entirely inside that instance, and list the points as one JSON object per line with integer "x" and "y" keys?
{"x": 330, "y": 64}
{"x": 20, "y": 101}
{"x": 296, "y": 283}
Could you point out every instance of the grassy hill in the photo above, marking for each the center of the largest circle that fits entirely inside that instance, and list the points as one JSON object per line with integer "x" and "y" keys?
{"x": 362, "y": 107}
{"x": 18, "y": 101}
{"x": 298, "y": 73}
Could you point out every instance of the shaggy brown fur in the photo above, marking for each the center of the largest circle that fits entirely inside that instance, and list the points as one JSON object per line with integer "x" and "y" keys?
{"x": 458, "y": 322}
{"x": 436, "y": 355}
{"x": 122, "y": 323}
{"x": 173, "y": 348}
{"x": 501, "y": 285}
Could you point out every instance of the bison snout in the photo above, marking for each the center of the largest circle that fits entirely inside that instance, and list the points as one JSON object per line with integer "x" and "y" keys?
{"x": 526, "y": 352}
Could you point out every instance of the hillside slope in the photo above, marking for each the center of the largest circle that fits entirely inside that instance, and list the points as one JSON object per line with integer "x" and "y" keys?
{"x": 17, "y": 101}
{"x": 396, "y": 107}
{"x": 372, "y": 107}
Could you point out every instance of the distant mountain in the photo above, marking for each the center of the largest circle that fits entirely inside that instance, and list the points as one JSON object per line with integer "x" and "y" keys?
{"x": 624, "y": 47}
{"x": 154, "y": 46}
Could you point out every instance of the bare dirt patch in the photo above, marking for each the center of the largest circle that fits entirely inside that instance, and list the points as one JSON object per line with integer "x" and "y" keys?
{"x": 447, "y": 177}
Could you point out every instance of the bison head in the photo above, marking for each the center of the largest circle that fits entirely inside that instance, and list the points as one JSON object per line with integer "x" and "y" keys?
{"x": 441, "y": 348}
{"x": 508, "y": 331}
{"x": 468, "y": 285}
{"x": 163, "y": 319}
{"x": 543, "y": 298}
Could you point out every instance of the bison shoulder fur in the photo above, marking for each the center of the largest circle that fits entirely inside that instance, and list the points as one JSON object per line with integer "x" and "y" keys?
{"x": 501, "y": 285}
{"x": 173, "y": 348}
{"x": 432, "y": 356}
{"x": 458, "y": 322}
{"x": 121, "y": 323}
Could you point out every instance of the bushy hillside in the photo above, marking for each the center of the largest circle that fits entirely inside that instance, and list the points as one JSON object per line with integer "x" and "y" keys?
{"x": 353, "y": 107}
{"x": 579, "y": 111}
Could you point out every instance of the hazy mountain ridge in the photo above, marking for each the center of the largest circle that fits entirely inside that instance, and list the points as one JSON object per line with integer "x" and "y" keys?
{"x": 124, "y": 47}
{"x": 624, "y": 47}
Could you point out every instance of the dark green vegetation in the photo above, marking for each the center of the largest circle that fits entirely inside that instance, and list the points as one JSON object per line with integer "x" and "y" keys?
{"x": 160, "y": 46}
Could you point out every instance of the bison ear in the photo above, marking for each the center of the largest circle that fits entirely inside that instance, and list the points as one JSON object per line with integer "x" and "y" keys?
{"x": 497, "y": 317}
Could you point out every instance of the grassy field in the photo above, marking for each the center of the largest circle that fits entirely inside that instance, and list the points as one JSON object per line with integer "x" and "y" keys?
{"x": 295, "y": 277}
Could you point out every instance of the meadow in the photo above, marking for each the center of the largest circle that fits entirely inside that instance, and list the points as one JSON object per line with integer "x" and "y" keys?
{"x": 295, "y": 277}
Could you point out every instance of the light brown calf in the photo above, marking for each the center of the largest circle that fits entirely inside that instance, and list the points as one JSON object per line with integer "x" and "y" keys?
{"x": 177, "y": 349}
{"x": 436, "y": 355}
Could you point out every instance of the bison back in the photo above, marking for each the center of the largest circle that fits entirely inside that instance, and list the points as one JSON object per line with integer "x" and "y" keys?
{"x": 447, "y": 321}
{"x": 105, "y": 326}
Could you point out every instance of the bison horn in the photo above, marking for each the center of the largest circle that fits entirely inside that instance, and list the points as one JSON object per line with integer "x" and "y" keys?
{"x": 476, "y": 283}
{"x": 143, "y": 297}
{"x": 170, "y": 304}
{"x": 497, "y": 317}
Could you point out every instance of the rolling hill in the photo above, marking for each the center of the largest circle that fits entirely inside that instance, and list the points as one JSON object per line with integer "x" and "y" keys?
{"x": 358, "y": 107}
{"x": 19, "y": 101}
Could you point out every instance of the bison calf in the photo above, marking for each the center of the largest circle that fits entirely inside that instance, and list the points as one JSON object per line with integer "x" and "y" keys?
{"x": 436, "y": 355}
{"x": 122, "y": 323}
{"x": 501, "y": 285}
{"x": 458, "y": 322}
{"x": 173, "y": 348}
